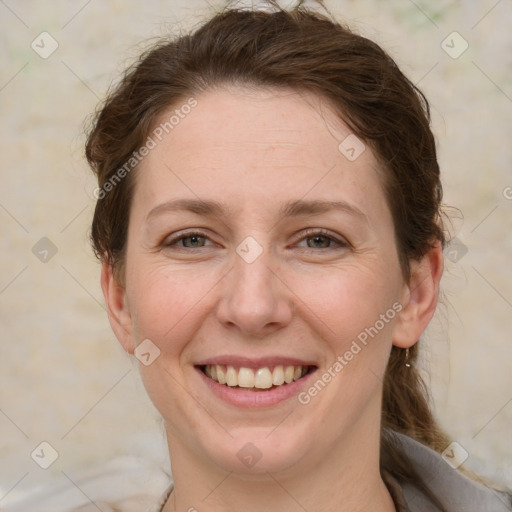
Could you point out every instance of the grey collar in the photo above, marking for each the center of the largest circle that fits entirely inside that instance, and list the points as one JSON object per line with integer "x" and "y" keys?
{"x": 456, "y": 491}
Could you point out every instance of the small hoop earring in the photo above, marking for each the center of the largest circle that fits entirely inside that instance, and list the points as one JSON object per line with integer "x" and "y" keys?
{"x": 407, "y": 358}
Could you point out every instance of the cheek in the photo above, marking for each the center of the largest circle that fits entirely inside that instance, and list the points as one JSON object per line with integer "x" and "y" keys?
{"x": 349, "y": 299}
{"x": 168, "y": 307}
{"x": 165, "y": 304}
{"x": 355, "y": 307}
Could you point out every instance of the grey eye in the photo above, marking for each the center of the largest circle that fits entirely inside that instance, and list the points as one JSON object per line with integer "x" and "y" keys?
{"x": 193, "y": 241}
{"x": 319, "y": 242}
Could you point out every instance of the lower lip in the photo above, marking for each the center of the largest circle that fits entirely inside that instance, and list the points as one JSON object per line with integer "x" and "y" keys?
{"x": 255, "y": 399}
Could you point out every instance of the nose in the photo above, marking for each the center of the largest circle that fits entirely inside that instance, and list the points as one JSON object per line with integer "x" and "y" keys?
{"x": 255, "y": 298}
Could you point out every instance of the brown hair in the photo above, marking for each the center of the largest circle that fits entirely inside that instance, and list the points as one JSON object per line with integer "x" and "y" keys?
{"x": 305, "y": 51}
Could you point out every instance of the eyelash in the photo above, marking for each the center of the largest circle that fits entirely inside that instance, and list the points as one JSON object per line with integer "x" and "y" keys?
{"x": 311, "y": 233}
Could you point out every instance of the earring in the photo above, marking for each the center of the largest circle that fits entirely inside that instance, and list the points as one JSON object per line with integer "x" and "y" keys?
{"x": 407, "y": 358}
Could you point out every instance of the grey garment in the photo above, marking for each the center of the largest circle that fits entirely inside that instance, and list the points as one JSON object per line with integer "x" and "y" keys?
{"x": 455, "y": 491}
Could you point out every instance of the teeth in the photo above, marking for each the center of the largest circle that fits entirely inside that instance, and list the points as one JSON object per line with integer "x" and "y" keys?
{"x": 231, "y": 377}
{"x": 246, "y": 378}
{"x": 278, "y": 376}
{"x": 221, "y": 376}
{"x": 288, "y": 374}
{"x": 262, "y": 378}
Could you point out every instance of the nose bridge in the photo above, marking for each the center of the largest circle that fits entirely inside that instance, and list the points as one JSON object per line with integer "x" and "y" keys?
{"x": 254, "y": 299}
{"x": 253, "y": 277}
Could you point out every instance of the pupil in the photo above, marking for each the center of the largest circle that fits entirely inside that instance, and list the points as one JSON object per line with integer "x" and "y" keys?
{"x": 193, "y": 240}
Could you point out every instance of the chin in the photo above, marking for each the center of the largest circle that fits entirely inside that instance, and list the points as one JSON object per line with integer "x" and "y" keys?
{"x": 252, "y": 452}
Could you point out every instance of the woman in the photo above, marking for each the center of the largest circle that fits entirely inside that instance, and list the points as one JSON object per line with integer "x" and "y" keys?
{"x": 269, "y": 226}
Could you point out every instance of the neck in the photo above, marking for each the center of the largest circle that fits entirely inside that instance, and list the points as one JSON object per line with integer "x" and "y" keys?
{"x": 346, "y": 479}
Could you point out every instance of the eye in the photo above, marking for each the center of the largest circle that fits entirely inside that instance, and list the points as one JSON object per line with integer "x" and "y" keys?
{"x": 191, "y": 240}
{"x": 320, "y": 239}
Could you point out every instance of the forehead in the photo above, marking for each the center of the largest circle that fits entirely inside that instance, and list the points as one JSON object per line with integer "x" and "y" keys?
{"x": 251, "y": 143}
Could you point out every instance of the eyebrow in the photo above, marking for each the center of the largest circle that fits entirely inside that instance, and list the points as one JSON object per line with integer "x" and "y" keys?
{"x": 315, "y": 207}
{"x": 293, "y": 208}
{"x": 199, "y": 206}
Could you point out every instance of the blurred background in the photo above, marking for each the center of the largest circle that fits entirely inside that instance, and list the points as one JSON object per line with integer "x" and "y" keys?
{"x": 64, "y": 379}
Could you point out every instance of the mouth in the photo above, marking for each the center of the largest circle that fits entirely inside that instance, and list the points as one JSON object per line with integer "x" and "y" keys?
{"x": 265, "y": 378}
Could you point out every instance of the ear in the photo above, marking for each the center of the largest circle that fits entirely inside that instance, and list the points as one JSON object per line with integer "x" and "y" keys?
{"x": 118, "y": 313}
{"x": 419, "y": 298}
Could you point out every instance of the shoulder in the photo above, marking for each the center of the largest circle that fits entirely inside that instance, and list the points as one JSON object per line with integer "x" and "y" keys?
{"x": 130, "y": 484}
{"x": 454, "y": 490}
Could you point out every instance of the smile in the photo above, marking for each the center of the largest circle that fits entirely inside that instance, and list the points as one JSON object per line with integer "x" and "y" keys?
{"x": 254, "y": 379}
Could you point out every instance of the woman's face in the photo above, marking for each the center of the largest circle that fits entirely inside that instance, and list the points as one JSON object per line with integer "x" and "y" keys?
{"x": 257, "y": 242}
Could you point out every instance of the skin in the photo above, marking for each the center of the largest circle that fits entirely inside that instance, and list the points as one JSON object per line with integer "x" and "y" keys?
{"x": 254, "y": 150}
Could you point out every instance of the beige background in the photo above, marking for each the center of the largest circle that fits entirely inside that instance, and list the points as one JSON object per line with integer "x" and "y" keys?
{"x": 63, "y": 377}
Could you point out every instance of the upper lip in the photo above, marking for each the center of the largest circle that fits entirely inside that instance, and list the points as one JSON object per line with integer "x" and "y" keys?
{"x": 259, "y": 362}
